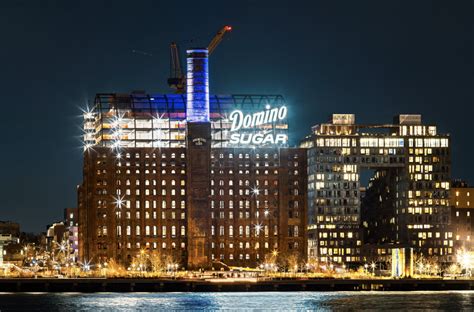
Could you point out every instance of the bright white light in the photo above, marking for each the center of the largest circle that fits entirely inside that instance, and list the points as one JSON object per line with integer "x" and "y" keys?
{"x": 119, "y": 202}
{"x": 86, "y": 266}
{"x": 266, "y": 212}
{"x": 157, "y": 120}
{"x": 118, "y": 133}
{"x": 116, "y": 144}
{"x": 465, "y": 259}
{"x": 258, "y": 228}
{"x": 117, "y": 121}
{"x": 87, "y": 113}
{"x": 255, "y": 191}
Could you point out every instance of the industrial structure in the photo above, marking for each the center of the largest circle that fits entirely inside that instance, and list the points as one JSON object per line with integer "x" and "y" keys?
{"x": 203, "y": 179}
{"x": 177, "y": 80}
{"x": 406, "y": 203}
{"x": 159, "y": 120}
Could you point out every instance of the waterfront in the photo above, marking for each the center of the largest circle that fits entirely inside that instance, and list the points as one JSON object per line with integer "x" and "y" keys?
{"x": 321, "y": 301}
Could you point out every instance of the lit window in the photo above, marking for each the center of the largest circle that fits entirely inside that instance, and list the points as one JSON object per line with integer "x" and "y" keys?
{"x": 163, "y": 232}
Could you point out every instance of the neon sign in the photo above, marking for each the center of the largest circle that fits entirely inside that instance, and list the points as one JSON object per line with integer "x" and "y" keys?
{"x": 241, "y": 121}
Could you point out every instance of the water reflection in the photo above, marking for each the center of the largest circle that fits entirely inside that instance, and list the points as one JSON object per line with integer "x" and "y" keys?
{"x": 327, "y": 301}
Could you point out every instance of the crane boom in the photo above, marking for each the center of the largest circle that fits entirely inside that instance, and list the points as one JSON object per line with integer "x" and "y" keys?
{"x": 218, "y": 38}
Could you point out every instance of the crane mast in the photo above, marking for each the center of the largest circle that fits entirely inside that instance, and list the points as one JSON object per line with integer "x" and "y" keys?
{"x": 176, "y": 80}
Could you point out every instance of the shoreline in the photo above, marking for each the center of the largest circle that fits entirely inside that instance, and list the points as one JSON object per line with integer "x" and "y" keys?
{"x": 186, "y": 285}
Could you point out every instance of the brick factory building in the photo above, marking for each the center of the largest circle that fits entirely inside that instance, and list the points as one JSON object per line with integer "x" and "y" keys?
{"x": 203, "y": 179}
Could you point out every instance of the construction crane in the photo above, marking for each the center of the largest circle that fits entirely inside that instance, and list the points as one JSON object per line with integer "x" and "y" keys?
{"x": 177, "y": 79}
{"x": 218, "y": 38}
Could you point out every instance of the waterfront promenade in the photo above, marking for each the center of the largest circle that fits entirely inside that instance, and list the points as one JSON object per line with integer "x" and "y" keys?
{"x": 224, "y": 285}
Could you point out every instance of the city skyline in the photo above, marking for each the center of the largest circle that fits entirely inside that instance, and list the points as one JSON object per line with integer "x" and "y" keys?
{"x": 355, "y": 72}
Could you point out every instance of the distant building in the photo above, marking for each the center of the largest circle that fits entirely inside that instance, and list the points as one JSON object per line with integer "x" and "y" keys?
{"x": 8, "y": 227}
{"x": 55, "y": 234}
{"x": 71, "y": 219}
{"x": 462, "y": 215}
{"x": 9, "y": 239}
{"x": 406, "y": 203}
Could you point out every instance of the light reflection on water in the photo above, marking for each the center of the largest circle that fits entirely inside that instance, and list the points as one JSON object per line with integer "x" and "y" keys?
{"x": 321, "y": 301}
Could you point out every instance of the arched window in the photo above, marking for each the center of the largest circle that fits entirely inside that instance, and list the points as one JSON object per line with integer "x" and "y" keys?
{"x": 173, "y": 231}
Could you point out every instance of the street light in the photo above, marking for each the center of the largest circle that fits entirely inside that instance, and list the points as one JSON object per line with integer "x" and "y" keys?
{"x": 372, "y": 266}
{"x": 466, "y": 260}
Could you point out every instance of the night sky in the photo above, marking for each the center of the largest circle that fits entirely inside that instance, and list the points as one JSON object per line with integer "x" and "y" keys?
{"x": 372, "y": 58}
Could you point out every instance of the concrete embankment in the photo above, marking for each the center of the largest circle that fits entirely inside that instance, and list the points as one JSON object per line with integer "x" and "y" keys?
{"x": 170, "y": 285}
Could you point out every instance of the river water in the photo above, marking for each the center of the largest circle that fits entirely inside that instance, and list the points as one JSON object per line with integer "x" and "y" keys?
{"x": 259, "y": 301}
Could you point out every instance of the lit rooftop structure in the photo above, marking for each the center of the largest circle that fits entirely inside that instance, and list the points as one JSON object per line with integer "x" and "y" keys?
{"x": 159, "y": 120}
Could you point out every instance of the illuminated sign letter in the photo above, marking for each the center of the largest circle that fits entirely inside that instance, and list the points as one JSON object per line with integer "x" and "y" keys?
{"x": 239, "y": 121}
{"x": 236, "y": 117}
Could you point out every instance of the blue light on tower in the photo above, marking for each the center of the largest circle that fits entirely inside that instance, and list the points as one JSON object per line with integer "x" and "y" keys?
{"x": 197, "y": 86}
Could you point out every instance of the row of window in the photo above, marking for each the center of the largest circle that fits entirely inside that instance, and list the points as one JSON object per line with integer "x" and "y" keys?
{"x": 171, "y": 215}
{"x": 148, "y": 231}
{"x": 243, "y": 245}
{"x": 146, "y": 182}
{"x": 148, "y": 192}
{"x": 137, "y": 171}
{"x": 246, "y": 204}
{"x": 247, "y": 156}
{"x": 147, "y": 155}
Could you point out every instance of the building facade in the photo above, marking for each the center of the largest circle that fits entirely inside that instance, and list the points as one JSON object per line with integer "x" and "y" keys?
{"x": 71, "y": 220}
{"x": 10, "y": 228}
{"x": 462, "y": 213}
{"x": 406, "y": 202}
{"x": 253, "y": 203}
{"x": 203, "y": 179}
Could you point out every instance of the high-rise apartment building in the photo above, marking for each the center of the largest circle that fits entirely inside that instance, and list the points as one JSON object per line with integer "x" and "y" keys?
{"x": 406, "y": 201}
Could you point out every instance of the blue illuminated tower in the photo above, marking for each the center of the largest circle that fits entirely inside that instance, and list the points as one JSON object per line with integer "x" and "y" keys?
{"x": 198, "y": 137}
{"x": 197, "y": 85}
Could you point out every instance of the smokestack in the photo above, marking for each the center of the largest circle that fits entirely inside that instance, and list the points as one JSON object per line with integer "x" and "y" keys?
{"x": 197, "y": 86}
